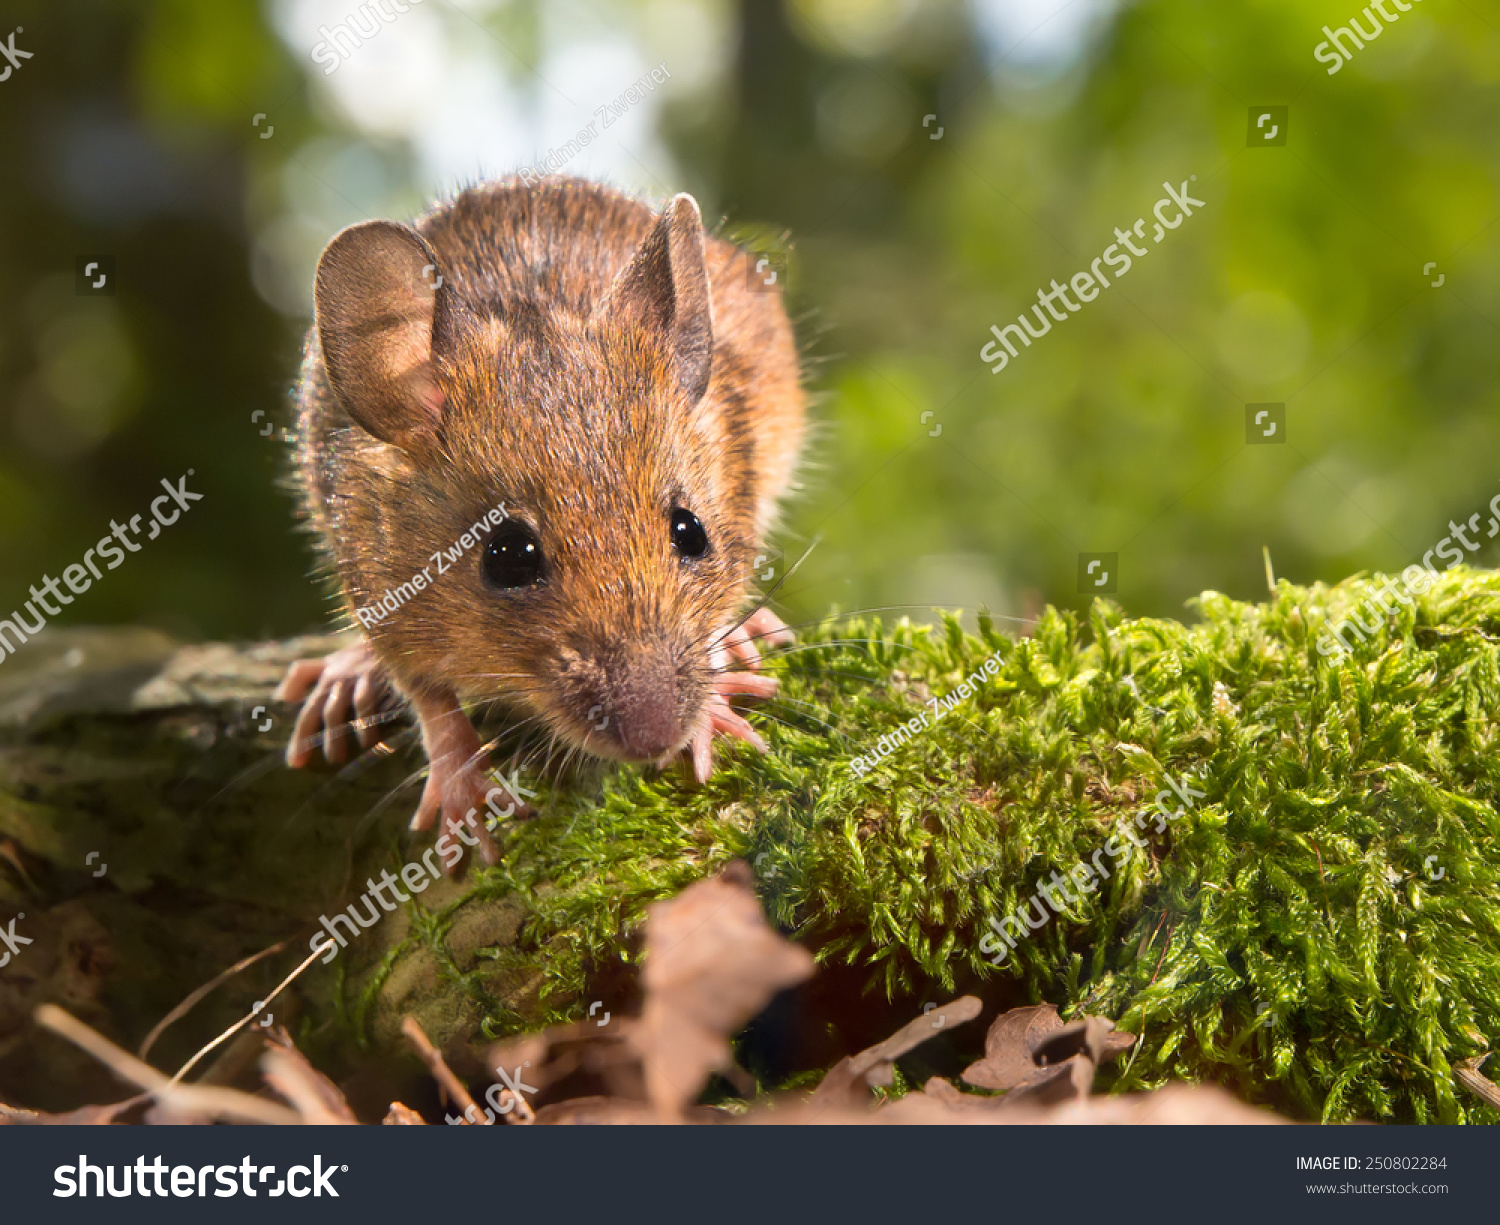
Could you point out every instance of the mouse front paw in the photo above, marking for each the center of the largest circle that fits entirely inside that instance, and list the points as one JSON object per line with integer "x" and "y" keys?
{"x": 457, "y": 795}
{"x": 739, "y": 645}
{"x": 460, "y": 788}
{"x": 346, "y": 697}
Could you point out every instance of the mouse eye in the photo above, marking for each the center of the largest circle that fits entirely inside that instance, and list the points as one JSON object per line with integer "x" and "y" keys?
{"x": 513, "y": 557}
{"x": 688, "y": 536}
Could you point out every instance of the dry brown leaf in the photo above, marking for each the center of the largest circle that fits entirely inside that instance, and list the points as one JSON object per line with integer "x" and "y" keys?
{"x": 945, "y": 1093}
{"x": 939, "y": 1101}
{"x": 1008, "y": 1045}
{"x": 316, "y": 1098}
{"x": 566, "y": 1062}
{"x": 849, "y": 1081}
{"x": 1173, "y": 1105}
{"x": 1068, "y": 1081}
{"x": 593, "y": 1110}
{"x": 1031, "y": 1054}
{"x": 712, "y": 963}
{"x": 1066, "y": 1060}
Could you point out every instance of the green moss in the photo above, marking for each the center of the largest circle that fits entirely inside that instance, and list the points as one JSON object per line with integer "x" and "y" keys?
{"x": 1284, "y": 937}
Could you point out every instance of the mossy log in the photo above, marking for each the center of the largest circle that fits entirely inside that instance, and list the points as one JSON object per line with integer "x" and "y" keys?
{"x": 1316, "y": 926}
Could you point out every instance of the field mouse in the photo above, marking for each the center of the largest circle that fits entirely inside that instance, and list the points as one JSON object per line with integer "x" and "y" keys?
{"x": 541, "y": 433}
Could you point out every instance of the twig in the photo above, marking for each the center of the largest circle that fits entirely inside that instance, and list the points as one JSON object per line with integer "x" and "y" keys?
{"x": 188, "y": 1004}
{"x": 1468, "y": 1075}
{"x": 453, "y": 1087}
{"x": 245, "y": 1020}
{"x": 188, "y": 1099}
{"x": 442, "y": 1073}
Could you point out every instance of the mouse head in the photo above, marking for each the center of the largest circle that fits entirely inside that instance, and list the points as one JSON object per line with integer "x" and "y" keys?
{"x": 628, "y": 501}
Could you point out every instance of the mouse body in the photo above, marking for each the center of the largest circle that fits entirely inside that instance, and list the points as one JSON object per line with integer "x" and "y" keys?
{"x": 541, "y": 435}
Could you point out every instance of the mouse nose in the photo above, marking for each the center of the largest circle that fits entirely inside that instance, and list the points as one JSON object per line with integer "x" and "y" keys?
{"x": 644, "y": 709}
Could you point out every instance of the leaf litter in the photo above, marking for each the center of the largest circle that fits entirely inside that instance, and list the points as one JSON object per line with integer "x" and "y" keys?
{"x": 712, "y": 963}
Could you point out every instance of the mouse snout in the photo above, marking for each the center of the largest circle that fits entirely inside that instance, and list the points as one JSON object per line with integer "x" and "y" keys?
{"x": 641, "y": 707}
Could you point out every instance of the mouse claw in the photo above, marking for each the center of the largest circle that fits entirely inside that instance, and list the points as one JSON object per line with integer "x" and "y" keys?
{"x": 742, "y": 643}
{"x": 722, "y": 720}
{"x": 458, "y": 783}
{"x": 736, "y": 646}
{"x": 701, "y": 749}
{"x": 459, "y": 801}
{"x": 343, "y": 696}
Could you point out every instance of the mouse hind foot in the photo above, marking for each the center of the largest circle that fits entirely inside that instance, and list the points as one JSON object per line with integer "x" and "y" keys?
{"x": 346, "y": 698}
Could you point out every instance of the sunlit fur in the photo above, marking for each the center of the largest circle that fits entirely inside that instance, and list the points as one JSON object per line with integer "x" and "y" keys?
{"x": 578, "y": 427}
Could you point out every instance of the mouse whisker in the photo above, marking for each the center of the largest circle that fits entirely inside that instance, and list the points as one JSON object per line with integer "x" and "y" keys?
{"x": 504, "y": 733}
{"x": 852, "y": 613}
{"x": 764, "y": 599}
{"x": 825, "y": 672}
{"x": 366, "y": 759}
{"x": 780, "y": 699}
{"x": 550, "y": 760}
{"x": 766, "y": 714}
{"x": 249, "y": 774}
{"x": 542, "y": 755}
{"x": 389, "y": 797}
{"x": 799, "y": 648}
{"x": 574, "y": 751}
{"x": 820, "y": 673}
{"x": 822, "y": 723}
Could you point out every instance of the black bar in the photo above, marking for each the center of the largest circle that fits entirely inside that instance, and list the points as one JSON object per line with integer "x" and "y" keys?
{"x": 745, "y": 1173}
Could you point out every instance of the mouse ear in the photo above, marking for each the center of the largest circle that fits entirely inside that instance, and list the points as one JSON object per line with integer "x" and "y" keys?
{"x": 381, "y": 311}
{"x": 665, "y": 289}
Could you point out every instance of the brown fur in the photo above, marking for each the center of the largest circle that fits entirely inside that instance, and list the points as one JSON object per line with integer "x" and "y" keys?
{"x": 581, "y": 428}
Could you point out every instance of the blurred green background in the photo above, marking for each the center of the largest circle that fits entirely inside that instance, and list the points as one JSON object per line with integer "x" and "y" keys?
{"x": 934, "y": 163}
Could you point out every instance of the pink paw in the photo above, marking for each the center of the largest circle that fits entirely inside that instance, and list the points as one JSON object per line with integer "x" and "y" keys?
{"x": 456, "y": 791}
{"x": 345, "y": 698}
{"x": 459, "y": 788}
{"x": 738, "y": 645}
